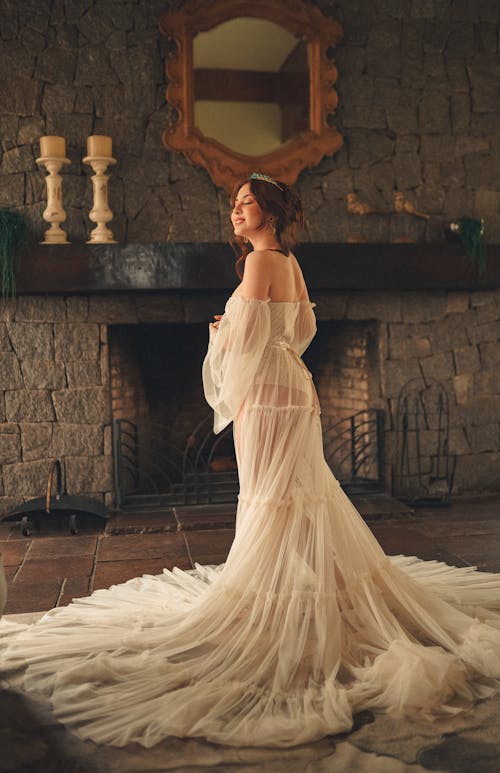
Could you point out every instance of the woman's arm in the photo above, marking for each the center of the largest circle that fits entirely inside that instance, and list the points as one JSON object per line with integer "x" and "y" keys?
{"x": 234, "y": 356}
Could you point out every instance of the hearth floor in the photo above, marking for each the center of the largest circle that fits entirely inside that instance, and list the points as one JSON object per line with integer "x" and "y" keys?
{"x": 49, "y": 569}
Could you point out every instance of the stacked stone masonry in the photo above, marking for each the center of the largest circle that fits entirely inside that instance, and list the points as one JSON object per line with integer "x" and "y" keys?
{"x": 418, "y": 109}
{"x": 55, "y": 380}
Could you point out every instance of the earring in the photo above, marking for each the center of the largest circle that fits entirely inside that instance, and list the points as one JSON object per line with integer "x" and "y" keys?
{"x": 272, "y": 226}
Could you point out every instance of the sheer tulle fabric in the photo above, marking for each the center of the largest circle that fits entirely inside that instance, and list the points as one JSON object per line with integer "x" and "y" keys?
{"x": 307, "y": 622}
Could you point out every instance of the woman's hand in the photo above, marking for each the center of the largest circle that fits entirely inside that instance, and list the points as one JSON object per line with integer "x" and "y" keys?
{"x": 215, "y": 325}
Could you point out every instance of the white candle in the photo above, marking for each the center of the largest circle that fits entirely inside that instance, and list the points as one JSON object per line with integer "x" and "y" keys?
{"x": 52, "y": 147}
{"x": 99, "y": 145}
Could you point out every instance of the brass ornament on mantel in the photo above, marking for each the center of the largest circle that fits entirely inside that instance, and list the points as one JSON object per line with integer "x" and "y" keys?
{"x": 227, "y": 166}
{"x": 357, "y": 207}
{"x": 401, "y": 207}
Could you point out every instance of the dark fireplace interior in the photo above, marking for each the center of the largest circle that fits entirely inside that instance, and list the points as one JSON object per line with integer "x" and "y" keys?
{"x": 156, "y": 376}
{"x": 165, "y": 424}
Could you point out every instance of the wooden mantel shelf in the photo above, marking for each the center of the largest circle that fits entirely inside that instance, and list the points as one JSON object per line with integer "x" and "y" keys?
{"x": 83, "y": 268}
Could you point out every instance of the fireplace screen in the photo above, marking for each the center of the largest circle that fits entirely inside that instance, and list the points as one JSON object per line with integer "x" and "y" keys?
{"x": 204, "y": 472}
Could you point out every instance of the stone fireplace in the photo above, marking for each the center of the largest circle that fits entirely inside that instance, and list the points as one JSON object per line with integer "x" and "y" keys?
{"x": 157, "y": 394}
{"x": 116, "y": 345}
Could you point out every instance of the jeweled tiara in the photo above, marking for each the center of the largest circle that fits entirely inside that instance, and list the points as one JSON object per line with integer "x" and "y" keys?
{"x": 265, "y": 178}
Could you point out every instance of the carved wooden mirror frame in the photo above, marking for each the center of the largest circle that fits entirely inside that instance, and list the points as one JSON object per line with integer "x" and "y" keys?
{"x": 225, "y": 166}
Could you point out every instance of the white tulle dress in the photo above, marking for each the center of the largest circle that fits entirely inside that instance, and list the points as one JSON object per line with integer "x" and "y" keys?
{"x": 307, "y": 622}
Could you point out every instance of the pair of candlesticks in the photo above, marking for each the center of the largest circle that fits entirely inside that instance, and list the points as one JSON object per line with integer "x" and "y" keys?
{"x": 53, "y": 157}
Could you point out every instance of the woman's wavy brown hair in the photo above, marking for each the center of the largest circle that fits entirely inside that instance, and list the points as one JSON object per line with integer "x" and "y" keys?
{"x": 281, "y": 204}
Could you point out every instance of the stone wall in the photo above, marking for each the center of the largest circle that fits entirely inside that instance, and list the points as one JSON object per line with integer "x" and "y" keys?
{"x": 54, "y": 398}
{"x": 453, "y": 337}
{"x": 55, "y": 384}
{"x": 419, "y": 111}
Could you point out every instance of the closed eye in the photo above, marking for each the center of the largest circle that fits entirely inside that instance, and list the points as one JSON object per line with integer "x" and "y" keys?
{"x": 248, "y": 199}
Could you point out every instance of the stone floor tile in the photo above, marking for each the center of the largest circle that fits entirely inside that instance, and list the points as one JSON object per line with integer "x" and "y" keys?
{"x": 216, "y": 542}
{"x": 113, "y": 572}
{"x": 206, "y": 517}
{"x": 5, "y": 529}
{"x": 141, "y": 546}
{"x": 440, "y": 554}
{"x": 492, "y": 565}
{"x": 35, "y": 596}
{"x": 380, "y": 505}
{"x": 13, "y": 551}
{"x": 399, "y": 537}
{"x": 141, "y": 522}
{"x": 464, "y": 507}
{"x": 210, "y": 559}
{"x": 474, "y": 549}
{"x": 459, "y": 527}
{"x": 58, "y": 547}
{"x": 55, "y": 568}
{"x": 408, "y": 541}
{"x": 223, "y": 508}
{"x": 9, "y": 572}
{"x": 73, "y": 588}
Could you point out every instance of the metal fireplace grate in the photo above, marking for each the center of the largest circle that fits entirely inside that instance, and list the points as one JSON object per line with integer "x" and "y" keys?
{"x": 354, "y": 450}
{"x": 149, "y": 472}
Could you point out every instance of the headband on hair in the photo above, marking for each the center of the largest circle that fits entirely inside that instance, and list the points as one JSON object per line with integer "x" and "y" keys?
{"x": 265, "y": 178}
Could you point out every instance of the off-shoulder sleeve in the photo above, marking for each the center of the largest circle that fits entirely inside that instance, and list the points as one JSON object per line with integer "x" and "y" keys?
{"x": 234, "y": 354}
{"x": 305, "y": 327}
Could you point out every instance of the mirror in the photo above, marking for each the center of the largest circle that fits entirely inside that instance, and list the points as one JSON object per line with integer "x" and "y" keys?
{"x": 251, "y": 85}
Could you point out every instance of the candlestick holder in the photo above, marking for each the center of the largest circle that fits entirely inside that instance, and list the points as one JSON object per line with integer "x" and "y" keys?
{"x": 54, "y": 212}
{"x": 100, "y": 212}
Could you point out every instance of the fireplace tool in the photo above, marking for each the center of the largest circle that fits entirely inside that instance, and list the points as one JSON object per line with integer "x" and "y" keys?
{"x": 54, "y": 506}
{"x": 424, "y": 469}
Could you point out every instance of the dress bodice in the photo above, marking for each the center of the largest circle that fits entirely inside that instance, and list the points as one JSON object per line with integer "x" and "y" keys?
{"x": 283, "y": 319}
{"x": 291, "y": 322}
{"x": 254, "y": 343}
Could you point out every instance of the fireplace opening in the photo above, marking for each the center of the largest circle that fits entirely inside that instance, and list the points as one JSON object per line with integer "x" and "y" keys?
{"x": 343, "y": 359}
{"x": 165, "y": 452}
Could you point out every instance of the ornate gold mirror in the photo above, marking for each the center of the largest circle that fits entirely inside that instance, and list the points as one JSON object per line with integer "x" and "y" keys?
{"x": 251, "y": 85}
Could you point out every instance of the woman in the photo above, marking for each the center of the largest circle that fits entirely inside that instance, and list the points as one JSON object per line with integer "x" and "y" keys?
{"x": 308, "y": 621}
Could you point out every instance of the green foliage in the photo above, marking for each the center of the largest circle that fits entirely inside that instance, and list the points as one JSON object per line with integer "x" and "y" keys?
{"x": 471, "y": 233}
{"x": 13, "y": 237}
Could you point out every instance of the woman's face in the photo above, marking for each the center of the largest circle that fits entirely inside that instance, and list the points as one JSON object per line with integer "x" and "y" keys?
{"x": 247, "y": 217}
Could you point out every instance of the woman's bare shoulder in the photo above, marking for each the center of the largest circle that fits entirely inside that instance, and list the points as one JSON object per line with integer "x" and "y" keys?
{"x": 258, "y": 259}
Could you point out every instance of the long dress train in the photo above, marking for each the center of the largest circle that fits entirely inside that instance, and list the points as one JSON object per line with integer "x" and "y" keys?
{"x": 307, "y": 622}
